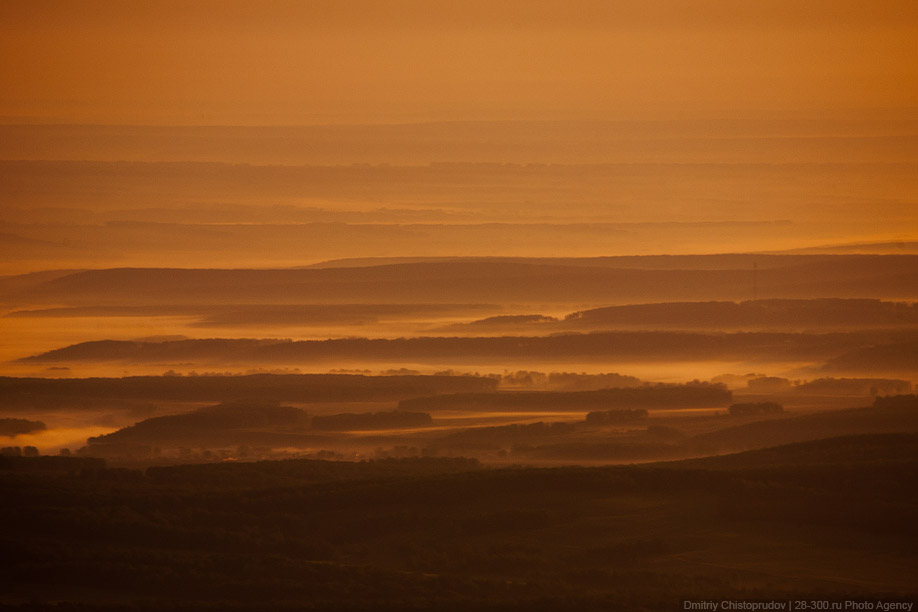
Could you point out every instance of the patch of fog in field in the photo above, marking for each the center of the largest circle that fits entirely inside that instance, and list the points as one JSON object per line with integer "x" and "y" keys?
{"x": 25, "y": 336}
{"x": 50, "y": 441}
{"x": 651, "y": 372}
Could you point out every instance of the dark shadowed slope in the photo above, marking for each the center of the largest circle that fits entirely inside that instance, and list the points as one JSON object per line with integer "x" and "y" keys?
{"x": 230, "y": 423}
{"x": 891, "y": 247}
{"x": 16, "y": 283}
{"x": 856, "y": 449}
{"x": 441, "y": 535}
{"x": 899, "y": 357}
{"x": 881, "y": 418}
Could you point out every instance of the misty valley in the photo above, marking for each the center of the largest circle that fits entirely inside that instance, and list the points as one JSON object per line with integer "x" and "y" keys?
{"x": 607, "y": 433}
{"x": 383, "y": 339}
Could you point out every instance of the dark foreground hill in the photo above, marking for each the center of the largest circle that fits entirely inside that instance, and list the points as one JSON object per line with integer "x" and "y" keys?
{"x": 443, "y": 535}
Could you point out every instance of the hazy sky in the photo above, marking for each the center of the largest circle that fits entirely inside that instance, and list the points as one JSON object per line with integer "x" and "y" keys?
{"x": 314, "y": 61}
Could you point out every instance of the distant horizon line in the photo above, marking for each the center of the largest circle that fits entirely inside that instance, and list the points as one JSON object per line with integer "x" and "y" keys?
{"x": 397, "y": 260}
{"x": 903, "y": 113}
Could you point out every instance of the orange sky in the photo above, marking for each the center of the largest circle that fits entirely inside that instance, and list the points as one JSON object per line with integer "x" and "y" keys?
{"x": 819, "y": 96}
{"x": 300, "y": 62}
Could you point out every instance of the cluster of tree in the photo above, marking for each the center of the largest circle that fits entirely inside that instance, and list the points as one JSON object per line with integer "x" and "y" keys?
{"x": 280, "y": 387}
{"x": 34, "y": 462}
{"x": 615, "y": 417}
{"x": 404, "y": 451}
{"x": 651, "y": 396}
{"x": 567, "y": 381}
{"x": 19, "y": 451}
{"x": 371, "y": 420}
{"x": 524, "y": 379}
{"x": 755, "y": 408}
{"x": 769, "y": 384}
{"x": 14, "y": 427}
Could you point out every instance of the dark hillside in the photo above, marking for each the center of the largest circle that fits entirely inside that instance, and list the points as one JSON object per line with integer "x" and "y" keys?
{"x": 442, "y": 535}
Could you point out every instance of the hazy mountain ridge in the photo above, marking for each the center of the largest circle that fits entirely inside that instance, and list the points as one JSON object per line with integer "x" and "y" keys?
{"x": 837, "y": 313}
{"x": 818, "y": 312}
{"x": 238, "y": 215}
{"x": 716, "y": 261}
{"x": 247, "y": 315}
{"x": 612, "y": 346}
{"x": 787, "y": 314}
{"x": 527, "y": 141}
{"x": 861, "y": 276}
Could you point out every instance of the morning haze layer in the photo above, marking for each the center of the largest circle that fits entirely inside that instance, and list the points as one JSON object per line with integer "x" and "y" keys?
{"x": 101, "y": 196}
